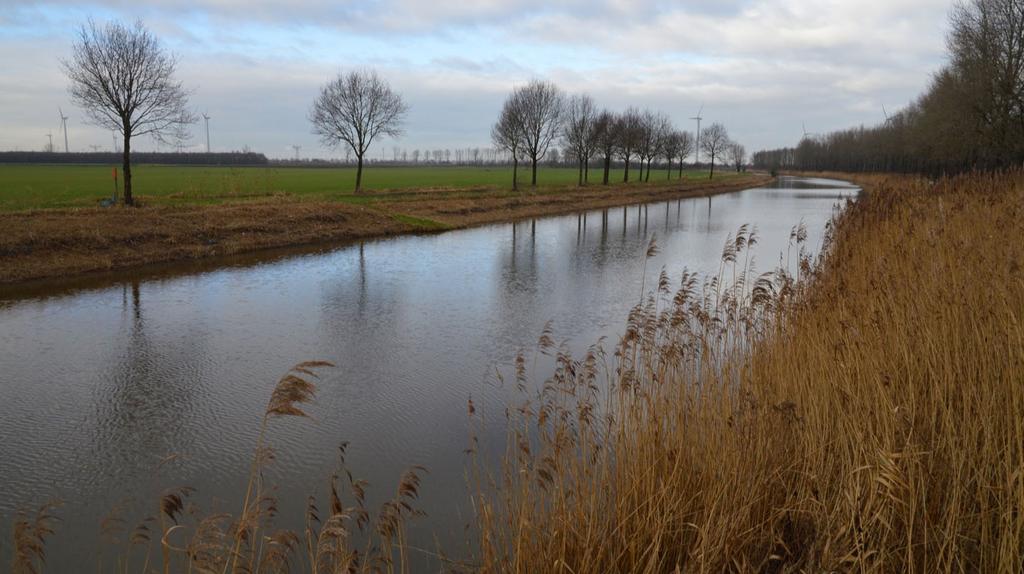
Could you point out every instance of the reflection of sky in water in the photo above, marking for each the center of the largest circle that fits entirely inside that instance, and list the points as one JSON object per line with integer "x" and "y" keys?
{"x": 98, "y": 385}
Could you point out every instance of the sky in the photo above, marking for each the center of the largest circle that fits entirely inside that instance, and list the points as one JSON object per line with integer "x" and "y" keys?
{"x": 763, "y": 68}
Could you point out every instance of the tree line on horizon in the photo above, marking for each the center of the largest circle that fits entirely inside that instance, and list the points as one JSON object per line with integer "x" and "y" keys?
{"x": 124, "y": 80}
{"x": 536, "y": 115}
{"x": 971, "y": 116}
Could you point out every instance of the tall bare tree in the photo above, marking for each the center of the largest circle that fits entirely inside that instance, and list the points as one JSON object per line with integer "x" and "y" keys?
{"x": 737, "y": 155}
{"x": 628, "y": 131}
{"x": 671, "y": 149}
{"x": 578, "y": 132}
{"x": 605, "y": 140}
{"x": 355, "y": 108}
{"x": 507, "y": 133}
{"x": 687, "y": 144}
{"x": 540, "y": 106}
{"x": 655, "y": 127}
{"x": 986, "y": 45}
{"x": 124, "y": 80}
{"x": 713, "y": 141}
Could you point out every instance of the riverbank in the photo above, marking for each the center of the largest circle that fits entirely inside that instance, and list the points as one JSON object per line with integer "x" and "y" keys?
{"x": 862, "y": 414}
{"x": 51, "y": 243}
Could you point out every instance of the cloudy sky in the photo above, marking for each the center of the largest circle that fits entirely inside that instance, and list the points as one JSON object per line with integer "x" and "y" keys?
{"x": 761, "y": 67}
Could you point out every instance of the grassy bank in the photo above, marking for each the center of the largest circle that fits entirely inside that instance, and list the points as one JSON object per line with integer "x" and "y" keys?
{"x": 46, "y": 243}
{"x": 866, "y": 417}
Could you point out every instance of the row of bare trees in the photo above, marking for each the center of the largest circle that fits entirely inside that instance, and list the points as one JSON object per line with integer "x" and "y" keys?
{"x": 124, "y": 79}
{"x": 538, "y": 114}
{"x": 971, "y": 116}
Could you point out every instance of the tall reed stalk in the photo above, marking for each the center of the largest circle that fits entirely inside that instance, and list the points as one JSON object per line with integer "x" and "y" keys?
{"x": 868, "y": 417}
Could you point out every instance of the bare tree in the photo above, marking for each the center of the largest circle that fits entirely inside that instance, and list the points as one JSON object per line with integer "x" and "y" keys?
{"x": 605, "y": 139}
{"x": 507, "y": 133}
{"x": 540, "y": 106}
{"x": 628, "y": 131}
{"x": 578, "y": 132}
{"x": 672, "y": 148}
{"x": 124, "y": 80}
{"x": 713, "y": 141}
{"x": 355, "y": 108}
{"x": 654, "y": 129}
{"x": 687, "y": 144}
{"x": 737, "y": 156}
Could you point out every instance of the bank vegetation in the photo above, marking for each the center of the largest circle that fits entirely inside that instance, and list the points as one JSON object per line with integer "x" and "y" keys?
{"x": 860, "y": 413}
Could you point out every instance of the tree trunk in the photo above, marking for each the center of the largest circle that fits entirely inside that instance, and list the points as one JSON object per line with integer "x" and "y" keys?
{"x": 625, "y": 176}
{"x": 649, "y": 161}
{"x": 126, "y": 167}
{"x": 607, "y": 168}
{"x": 712, "y": 174}
{"x": 533, "y": 177}
{"x": 581, "y": 174}
{"x": 680, "y": 168}
{"x": 669, "y": 171}
{"x": 515, "y": 173}
{"x": 359, "y": 173}
{"x": 586, "y": 170}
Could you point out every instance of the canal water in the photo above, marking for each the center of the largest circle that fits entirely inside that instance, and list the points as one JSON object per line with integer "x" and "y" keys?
{"x": 100, "y": 383}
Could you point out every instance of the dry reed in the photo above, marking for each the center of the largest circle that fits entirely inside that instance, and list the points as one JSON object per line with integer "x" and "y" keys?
{"x": 867, "y": 416}
{"x": 348, "y": 538}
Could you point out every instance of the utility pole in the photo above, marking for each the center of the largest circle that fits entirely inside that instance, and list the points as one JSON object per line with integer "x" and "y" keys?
{"x": 206, "y": 118}
{"x": 696, "y": 146}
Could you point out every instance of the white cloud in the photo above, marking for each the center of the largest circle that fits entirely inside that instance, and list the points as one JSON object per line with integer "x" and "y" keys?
{"x": 760, "y": 66}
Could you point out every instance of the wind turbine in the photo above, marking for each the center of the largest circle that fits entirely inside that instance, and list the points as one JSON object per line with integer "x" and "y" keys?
{"x": 296, "y": 148}
{"x": 206, "y": 118}
{"x": 886, "y": 114}
{"x": 807, "y": 136}
{"x": 49, "y": 147}
{"x": 64, "y": 124}
{"x": 696, "y": 153}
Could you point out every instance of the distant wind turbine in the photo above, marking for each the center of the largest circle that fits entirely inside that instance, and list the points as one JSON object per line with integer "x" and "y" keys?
{"x": 698, "y": 117}
{"x": 807, "y": 136}
{"x": 296, "y": 148}
{"x": 64, "y": 124}
{"x": 206, "y": 118}
{"x": 49, "y": 146}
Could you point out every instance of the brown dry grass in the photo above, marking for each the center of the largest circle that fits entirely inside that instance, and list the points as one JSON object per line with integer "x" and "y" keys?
{"x": 64, "y": 242}
{"x": 866, "y": 417}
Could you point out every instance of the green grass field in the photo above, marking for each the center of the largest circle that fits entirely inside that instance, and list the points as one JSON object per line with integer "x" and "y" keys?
{"x": 53, "y": 186}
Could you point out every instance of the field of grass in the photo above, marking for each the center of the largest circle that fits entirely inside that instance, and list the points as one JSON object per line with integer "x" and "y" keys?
{"x": 53, "y": 186}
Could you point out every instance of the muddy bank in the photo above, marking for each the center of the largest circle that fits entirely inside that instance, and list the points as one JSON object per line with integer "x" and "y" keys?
{"x": 49, "y": 244}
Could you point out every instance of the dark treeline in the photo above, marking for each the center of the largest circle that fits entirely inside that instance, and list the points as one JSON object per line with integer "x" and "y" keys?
{"x": 971, "y": 117}
{"x": 107, "y": 158}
